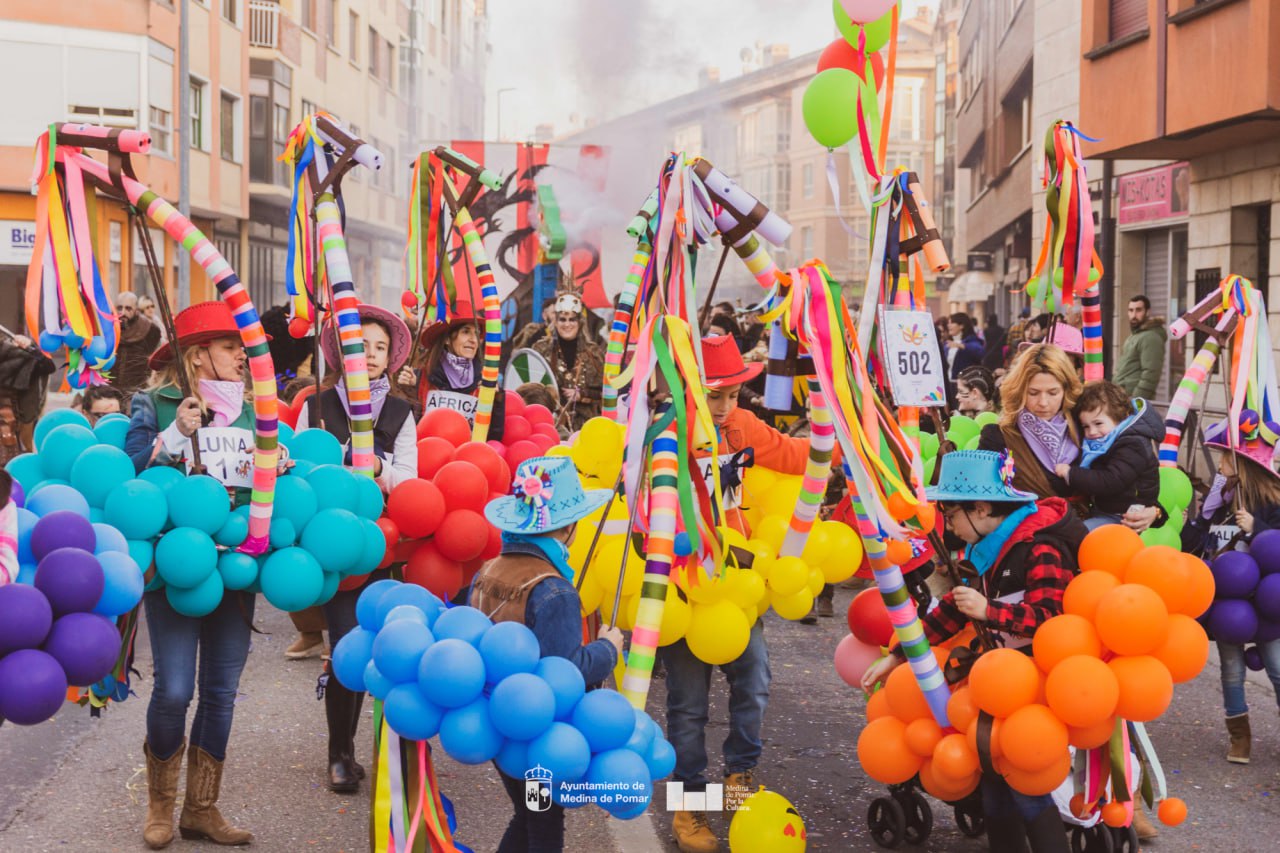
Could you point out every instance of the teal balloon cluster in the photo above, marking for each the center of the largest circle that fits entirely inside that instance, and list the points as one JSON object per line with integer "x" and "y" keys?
{"x": 485, "y": 690}
{"x": 323, "y": 527}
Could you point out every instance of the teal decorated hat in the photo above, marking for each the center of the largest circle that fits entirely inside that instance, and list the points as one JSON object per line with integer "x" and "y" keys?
{"x": 546, "y": 495}
{"x": 977, "y": 475}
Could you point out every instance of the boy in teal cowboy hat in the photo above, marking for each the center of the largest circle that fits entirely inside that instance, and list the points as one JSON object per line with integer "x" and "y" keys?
{"x": 1023, "y": 552}
{"x": 531, "y": 582}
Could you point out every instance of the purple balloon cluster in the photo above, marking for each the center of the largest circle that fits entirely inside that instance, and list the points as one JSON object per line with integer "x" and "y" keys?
{"x": 488, "y": 693}
{"x": 59, "y": 629}
{"x": 1246, "y": 605}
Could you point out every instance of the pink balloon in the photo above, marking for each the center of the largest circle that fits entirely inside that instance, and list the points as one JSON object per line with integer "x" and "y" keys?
{"x": 866, "y": 11}
{"x": 852, "y": 658}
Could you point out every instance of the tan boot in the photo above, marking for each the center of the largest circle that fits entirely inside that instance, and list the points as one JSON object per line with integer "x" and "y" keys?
{"x": 310, "y": 644}
{"x": 1241, "y": 739}
{"x": 162, "y": 794}
{"x": 1142, "y": 824}
{"x": 200, "y": 815}
{"x": 693, "y": 833}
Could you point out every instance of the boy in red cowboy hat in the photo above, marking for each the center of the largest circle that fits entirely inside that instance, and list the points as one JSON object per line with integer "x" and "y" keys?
{"x": 742, "y": 435}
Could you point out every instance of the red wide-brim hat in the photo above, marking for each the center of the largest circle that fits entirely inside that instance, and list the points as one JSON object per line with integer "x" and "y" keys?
{"x": 200, "y": 324}
{"x": 461, "y": 315}
{"x": 723, "y": 362}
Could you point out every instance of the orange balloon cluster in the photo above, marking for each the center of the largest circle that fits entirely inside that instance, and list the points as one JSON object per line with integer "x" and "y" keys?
{"x": 1128, "y": 634}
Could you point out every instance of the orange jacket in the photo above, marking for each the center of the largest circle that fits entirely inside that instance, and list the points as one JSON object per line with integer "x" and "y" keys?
{"x": 773, "y": 450}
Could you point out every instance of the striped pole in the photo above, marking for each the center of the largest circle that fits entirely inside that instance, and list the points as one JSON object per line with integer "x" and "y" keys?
{"x": 1188, "y": 389}
{"x": 664, "y": 504}
{"x": 346, "y": 311}
{"x": 620, "y": 329}
{"x": 822, "y": 441}
{"x": 492, "y": 323}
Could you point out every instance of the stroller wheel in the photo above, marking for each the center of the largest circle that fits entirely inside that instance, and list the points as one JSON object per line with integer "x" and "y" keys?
{"x": 969, "y": 818}
{"x": 1099, "y": 839}
{"x": 887, "y": 822}
{"x": 919, "y": 816}
{"x": 1125, "y": 839}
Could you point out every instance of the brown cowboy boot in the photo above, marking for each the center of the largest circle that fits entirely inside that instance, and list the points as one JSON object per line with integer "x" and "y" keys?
{"x": 1241, "y": 739}
{"x": 162, "y": 794}
{"x": 200, "y": 815}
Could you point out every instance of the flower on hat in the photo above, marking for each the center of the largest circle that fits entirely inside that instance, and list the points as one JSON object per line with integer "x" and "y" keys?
{"x": 533, "y": 487}
{"x": 1008, "y": 469}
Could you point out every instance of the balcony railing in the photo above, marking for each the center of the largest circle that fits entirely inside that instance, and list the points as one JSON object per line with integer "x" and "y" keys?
{"x": 264, "y": 23}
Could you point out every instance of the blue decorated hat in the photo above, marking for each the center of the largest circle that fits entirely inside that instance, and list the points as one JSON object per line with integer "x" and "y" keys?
{"x": 546, "y": 495}
{"x": 977, "y": 475}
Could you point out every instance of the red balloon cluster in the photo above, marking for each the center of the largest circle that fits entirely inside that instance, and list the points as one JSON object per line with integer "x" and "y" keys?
{"x": 1127, "y": 636}
{"x": 527, "y": 431}
{"x": 438, "y": 519}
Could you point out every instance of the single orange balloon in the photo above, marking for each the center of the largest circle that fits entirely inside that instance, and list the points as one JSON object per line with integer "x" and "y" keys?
{"x": 1086, "y": 590}
{"x": 1079, "y": 807}
{"x": 1172, "y": 811}
{"x": 905, "y": 699}
{"x": 898, "y": 553}
{"x": 1032, "y": 738}
{"x": 1200, "y": 587}
{"x": 946, "y": 789}
{"x": 1109, "y": 549}
{"x": 1146, "y": 687}
{"x": 1132, "y": 620}
{"x": 1163, "y": 569}
{"x": 953, "y": 760}
{"x": 1115, "y": 815}
{"x": 971, "y": 738}
{"x": 899, "y": 507}
{"x": 883, "y": 752}
{"x": 1002, "y": 681}
{"x": 1062, "y": 637}
{"x": 1041, "y": 782}
{"x": 1082, "y": 691}
{"x": 927, "y": 515}
{"x": 922, "y": 736}
{"x": 1092, "y": 737}
{"x": 960, "y": 709}
{"x": 1185, "y": 650}
{"x": 878, "y": 706}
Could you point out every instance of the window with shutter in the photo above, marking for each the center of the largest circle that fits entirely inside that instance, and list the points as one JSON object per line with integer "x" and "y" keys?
{"x": 1127, "y": 17}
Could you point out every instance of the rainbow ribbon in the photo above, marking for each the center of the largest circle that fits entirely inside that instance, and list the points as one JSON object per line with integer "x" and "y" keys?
{"x": 619, "y": 331}
{"x": 1188, "y": 389}
{"x": 1253, "y": 368}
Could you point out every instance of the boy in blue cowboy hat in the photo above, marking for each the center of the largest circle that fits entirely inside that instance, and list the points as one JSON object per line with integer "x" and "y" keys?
{"x": 531, "y": 582}
{"x": 1023, "y": 552}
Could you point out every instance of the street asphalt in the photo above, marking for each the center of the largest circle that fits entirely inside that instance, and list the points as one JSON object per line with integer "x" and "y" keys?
{"x": 78, "y": 783}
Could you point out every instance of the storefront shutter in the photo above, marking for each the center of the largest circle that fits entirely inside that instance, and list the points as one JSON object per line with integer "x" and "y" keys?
{"x": 1156, "y": 285}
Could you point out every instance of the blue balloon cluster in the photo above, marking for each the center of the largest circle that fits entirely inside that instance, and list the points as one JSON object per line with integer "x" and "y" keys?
{"x": 1246, "y": 605}
{"x": 488, "y": 694}
{"x": 323, "y": 527}
{"x": 58, "y": 622}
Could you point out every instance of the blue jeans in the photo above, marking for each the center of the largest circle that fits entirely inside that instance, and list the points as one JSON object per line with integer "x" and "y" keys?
{"x": 688, "y": 686}
{"x": 1102, "y": 520}
{"x": 1233, "y": 670}
{"x": 220, "y": 643}
{"x": 535, "y": 832}
{"x": 999, "y": 800}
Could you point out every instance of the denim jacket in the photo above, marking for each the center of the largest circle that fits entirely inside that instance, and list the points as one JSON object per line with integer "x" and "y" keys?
{"x": 554, "y": 614}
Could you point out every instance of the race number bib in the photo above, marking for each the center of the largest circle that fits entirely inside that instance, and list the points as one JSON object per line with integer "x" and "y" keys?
{"x": 913, "y": 362}
{"x": 731, "y": 497}
{"x": 227, "y": 454}
{"x": 464, "y": 404}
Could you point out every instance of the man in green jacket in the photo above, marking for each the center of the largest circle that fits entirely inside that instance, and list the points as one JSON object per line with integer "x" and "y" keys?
{"x": 1142, "y": 356}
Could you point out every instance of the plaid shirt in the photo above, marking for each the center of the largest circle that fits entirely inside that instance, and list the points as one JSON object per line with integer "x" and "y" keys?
{"x": 1046, "y": 581}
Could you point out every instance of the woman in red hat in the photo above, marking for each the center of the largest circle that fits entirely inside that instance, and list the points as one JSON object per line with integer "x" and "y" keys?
{"x": 450, "y": 373}
{"x": 742, "y": 437}
{"x": 395, "y": 447}
{"x": 219, "y": 414}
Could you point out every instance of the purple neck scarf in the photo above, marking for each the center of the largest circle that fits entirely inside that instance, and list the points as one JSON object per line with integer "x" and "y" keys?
{"x": 378, "y": 390}
{"x": 459, "y": 370}
{"x": 1049, "y": 440}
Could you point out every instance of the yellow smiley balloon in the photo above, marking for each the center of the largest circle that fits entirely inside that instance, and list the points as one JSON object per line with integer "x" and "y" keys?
{"x": 766, "y": 822}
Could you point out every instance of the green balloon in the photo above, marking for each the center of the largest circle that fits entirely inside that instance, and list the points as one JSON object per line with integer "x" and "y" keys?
{"x": 928, "y": 445}
{"x": 830, "y": 107}
{"x": 962, "y": 430}
{"x": 878, "y": 31}
{"x": 1175, "y": 489}
{"x": 972, "y": 444}
{"x": 1161, "y": 536}
{"x": 985, "y": 418}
